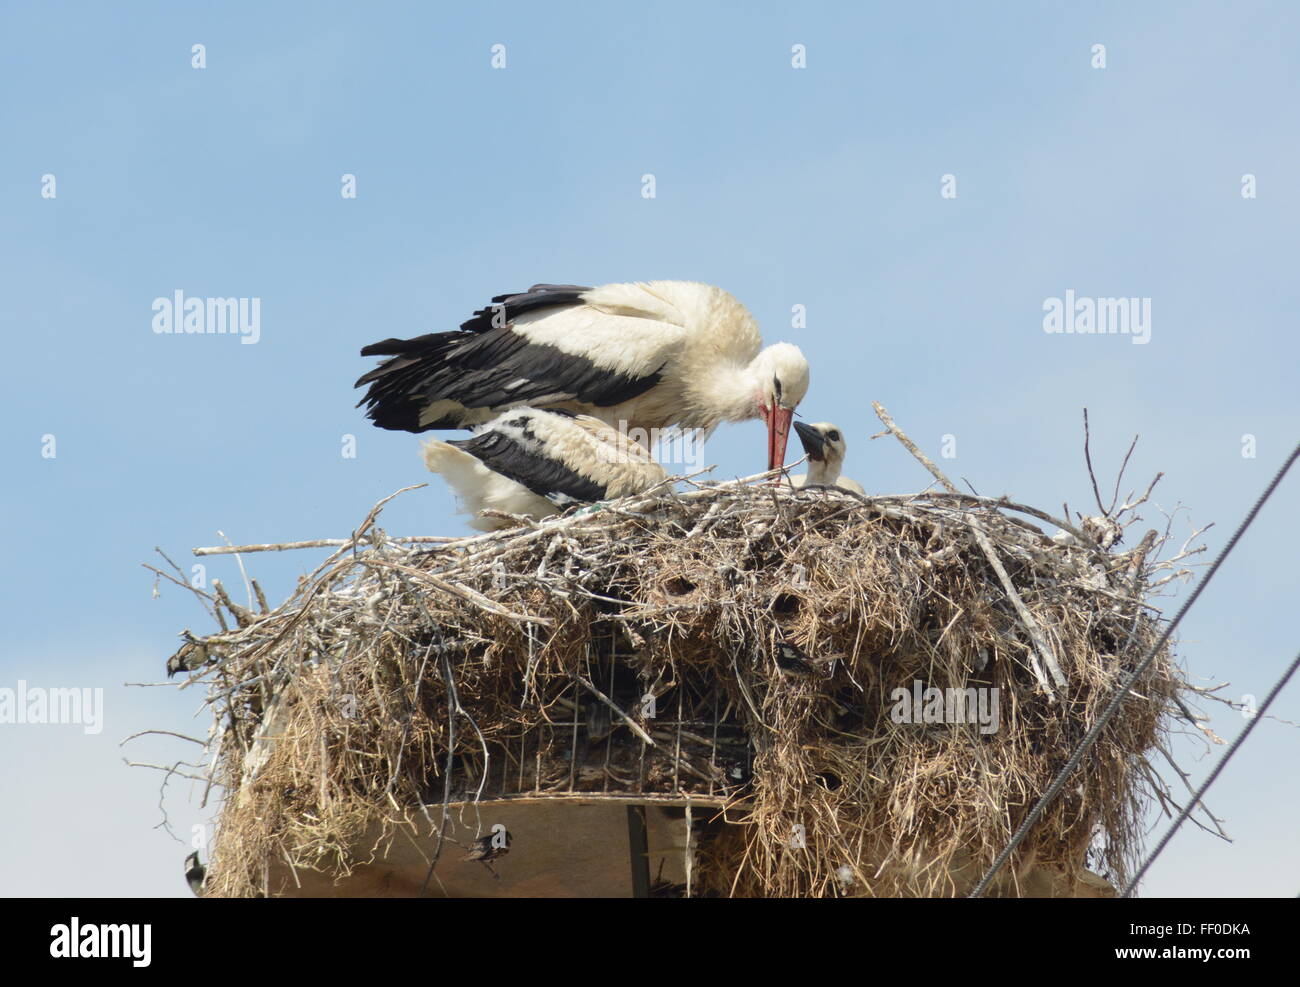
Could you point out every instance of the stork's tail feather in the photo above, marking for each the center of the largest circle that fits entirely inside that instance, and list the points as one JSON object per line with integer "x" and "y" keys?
{"x": 479, "y": 489}
{"x": 462, "y": 471}
{"x": 393, "y": 399}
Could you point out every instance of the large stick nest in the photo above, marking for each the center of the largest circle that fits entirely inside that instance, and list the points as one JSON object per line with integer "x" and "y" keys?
{"x": 397, "y": 679}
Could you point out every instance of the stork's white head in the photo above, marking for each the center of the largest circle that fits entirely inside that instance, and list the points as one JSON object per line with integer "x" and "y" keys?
{"x": 780, "y": 376}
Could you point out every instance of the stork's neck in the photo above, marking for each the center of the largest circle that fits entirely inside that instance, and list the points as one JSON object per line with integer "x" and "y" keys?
{"x": 729, "y": 393}
{"x": 823, "y": 472}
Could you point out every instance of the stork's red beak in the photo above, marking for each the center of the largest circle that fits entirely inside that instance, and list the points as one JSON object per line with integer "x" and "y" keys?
{"x": 778, "y": 433}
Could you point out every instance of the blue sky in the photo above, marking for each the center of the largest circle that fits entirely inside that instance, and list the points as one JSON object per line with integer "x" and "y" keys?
{"x": 817, "y": 186}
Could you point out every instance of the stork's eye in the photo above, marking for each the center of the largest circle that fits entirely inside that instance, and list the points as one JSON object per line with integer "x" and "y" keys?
{"x": 833, "y": 435}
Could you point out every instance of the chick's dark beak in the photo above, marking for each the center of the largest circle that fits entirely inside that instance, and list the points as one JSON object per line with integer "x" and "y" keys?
{"x": 814, "y": 443}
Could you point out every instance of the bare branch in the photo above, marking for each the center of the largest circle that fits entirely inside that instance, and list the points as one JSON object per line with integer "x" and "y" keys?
{"x": 911, "y": 447}
{"x": 1087, "y": 455}
{"x": 164, "y": 733}
{"x": 1119, "y": 479}
{"x": 290, "y": 546}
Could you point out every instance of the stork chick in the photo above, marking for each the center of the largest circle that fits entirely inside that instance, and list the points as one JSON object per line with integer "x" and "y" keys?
{"x": 825, "y": 446}
{"x": 534, "y": 463}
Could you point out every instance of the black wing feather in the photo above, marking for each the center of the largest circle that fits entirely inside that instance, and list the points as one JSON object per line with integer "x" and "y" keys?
{"x": 510, "y": 307}
{"x": 543, "y": 475}
{"x": 485, "y": 367}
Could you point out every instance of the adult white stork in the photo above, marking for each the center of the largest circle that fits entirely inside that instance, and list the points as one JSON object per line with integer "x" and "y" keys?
{"x": 533, "y": 462}
{"x": 825, "y": 446}
{"x": 646, "y": 355}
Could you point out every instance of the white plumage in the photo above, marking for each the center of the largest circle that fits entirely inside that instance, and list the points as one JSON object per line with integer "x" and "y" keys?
{"x": 533, "y": 463}
{"x": 643, "y": 355}
{"x": 824, "y": 443}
